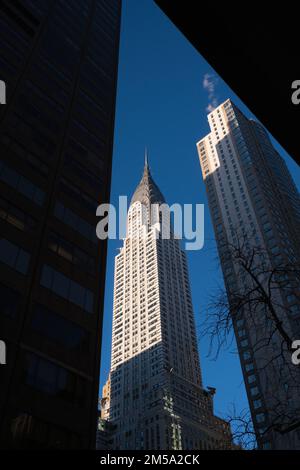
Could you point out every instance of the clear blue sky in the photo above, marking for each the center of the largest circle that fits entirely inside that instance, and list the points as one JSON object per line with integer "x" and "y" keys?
{"x": 161, "y": 104}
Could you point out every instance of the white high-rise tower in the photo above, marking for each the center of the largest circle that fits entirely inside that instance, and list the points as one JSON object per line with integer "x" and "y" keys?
{"x": 157, "y": 400}
{"x": 255, "y": 209}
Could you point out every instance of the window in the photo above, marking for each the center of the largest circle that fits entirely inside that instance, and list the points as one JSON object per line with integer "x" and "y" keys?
{"x": 10, "y": 301}
{"x": 267, "y": 227}
{"x": 71, "y": 253}
{"x": 45, "y": 434}
{"x": 21, "y": 184}
{"x": 266, "y": 445}
{"x": 246, "y": 355}
{"x": 294, "y": 309}
{"x": 60, "y": 50}
{"x": 75, "y": 221}
{"x": 32, "y": 103}
{"x": 59, "y": 329}
{"x": 254, "y": 391}
{"x": 260, "y": 418}
{"x": 54, "y": 380}
{"x": 67, "y": 288}
{"x": 14, "y": 256}
{"x": 257, "y": 404}
{"x": 40, "y": 143}
{"x": 240, "y": 322}
{"x": 83, "y": 172}
{"x": 15, "y": 216}
{"x": 80, "y": 196}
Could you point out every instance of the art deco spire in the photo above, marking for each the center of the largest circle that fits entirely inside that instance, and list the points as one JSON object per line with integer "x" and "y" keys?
{"x": 147, "y": 192}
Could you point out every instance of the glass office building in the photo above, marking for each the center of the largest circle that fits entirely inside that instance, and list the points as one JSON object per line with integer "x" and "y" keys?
{"x": 59, "y": 61}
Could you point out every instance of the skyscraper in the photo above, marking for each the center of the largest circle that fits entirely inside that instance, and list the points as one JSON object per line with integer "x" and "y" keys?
{"x": 59, "y": 61}
{"x": 157, "y": 400}
{"x": 255, "y": 209}
{"x": 105, "y": 400}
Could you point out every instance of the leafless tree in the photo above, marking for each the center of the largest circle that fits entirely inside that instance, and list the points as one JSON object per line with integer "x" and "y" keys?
{"x": 258, "y": 295}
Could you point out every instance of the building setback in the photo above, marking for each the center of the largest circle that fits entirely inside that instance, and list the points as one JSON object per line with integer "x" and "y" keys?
{"x": 157, "y": 400}
{"x": 105, "y": 400}
{"x": 58, "y": 60}
{"x": 255, "y": 209}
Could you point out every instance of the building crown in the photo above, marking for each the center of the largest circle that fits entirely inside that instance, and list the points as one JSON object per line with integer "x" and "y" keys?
{"x": 147, "y": 192}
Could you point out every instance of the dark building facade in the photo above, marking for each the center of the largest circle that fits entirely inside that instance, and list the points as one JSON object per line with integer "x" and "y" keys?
{"x": 59, "y": 61}
{"x": 104, "y": 436}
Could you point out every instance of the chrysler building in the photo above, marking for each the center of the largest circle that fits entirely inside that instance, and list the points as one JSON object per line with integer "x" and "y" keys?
{"x": 157, "y": 400}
